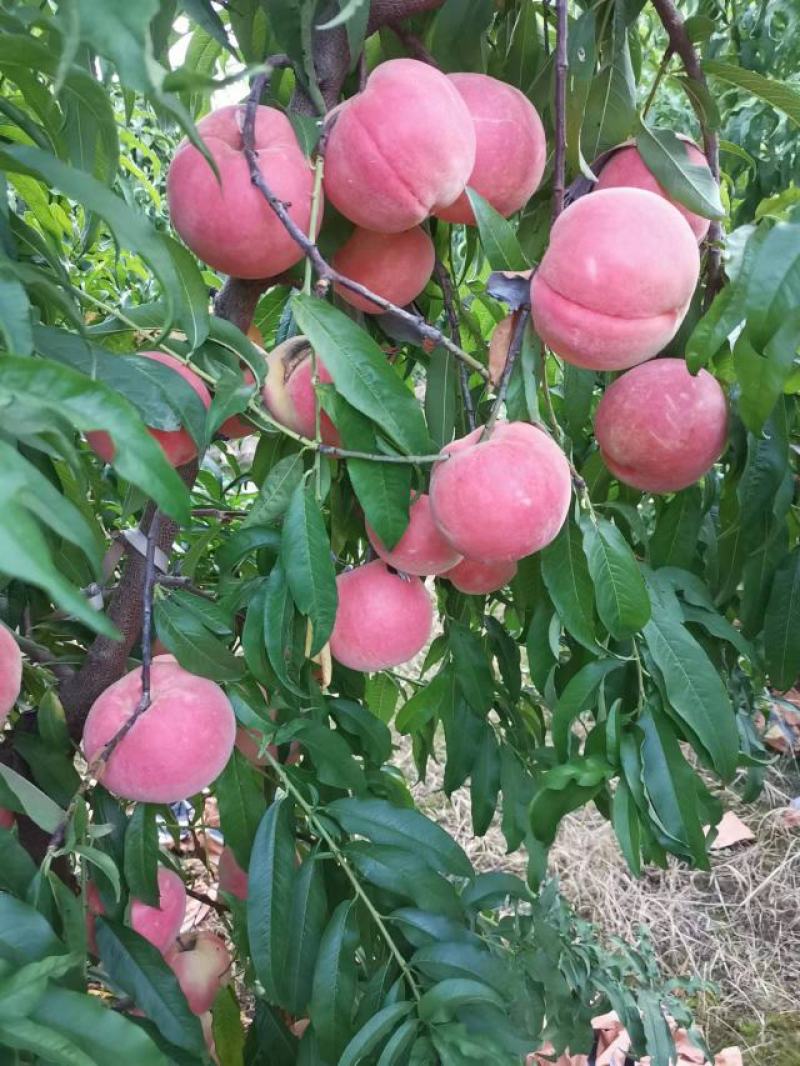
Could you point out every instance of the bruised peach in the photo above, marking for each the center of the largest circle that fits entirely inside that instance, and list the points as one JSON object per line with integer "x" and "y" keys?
{"x": 10, "y": 672}
{"x": 232, "y": 878}
{"x": 177, "y": 444}
{"x": 288, "y": 391}
{"x": 500, "y": 499}
{"x": 626, "y": 168}
{"x": 383, "y": 619}
{"x": 510, "y": 147}
{"x": 227, "y": 222}
{"x": 616, "y": 280}
{"x": 393, "y": 265}
{"x": 177, "y": 747}
{"x": 477, "y": 578}
{"x": 202, "y": 964}
{"x": 660, "y": 429}
{"x": 422, "y": 549}
{"x": 400, "y": 149}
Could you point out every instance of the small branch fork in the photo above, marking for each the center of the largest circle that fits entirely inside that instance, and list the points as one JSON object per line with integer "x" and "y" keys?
{"x": 442, "y": 275}
{"x": 325, "y": 272}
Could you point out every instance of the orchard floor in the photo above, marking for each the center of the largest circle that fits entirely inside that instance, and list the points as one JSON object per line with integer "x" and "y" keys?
{"x": 737, "y": 925}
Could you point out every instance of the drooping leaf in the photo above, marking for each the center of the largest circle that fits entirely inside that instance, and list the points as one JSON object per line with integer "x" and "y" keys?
{"x": 782, "y": 624}
{"x": 666, "y": 156}
{"x": 269, "y": 900}
{"x": 335, "y": 982}
{"x": 499, "y": 241}
{"x": 620, "y": 592}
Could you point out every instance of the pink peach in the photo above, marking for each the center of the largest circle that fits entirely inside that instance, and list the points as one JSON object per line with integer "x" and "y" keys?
{"x": 202, "y": 964}
{"x": 393, "y": 265}
{"x": 10, "y": 672}
{"x": 7, "y": 818}
{"x": 400, "y": 149}
{"x": 511, "y": 149}
{"x": 422, "y": 549}
{"x": 616, "y": 281}
{"x": 232, "y": 878}
{"x": 288, "y": 391}
{"x": 500, "y": 499}
{"x": 227, "y": 222}
{"x": 160, "y": 925}
{"x": 177, "y": 444}
{"x": 383, "y": 619}
{"x": 660, "y": 429}
{"x": 477, "y": 578}
{"x": 176, "y": 748}
{"x": 627, "y": 169}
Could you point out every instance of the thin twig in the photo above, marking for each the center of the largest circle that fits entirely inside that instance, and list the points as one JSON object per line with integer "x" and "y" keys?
{"x": 220, "y": 906}
{"x": 562, "y": 65}
{"x": 38, "y": 653}
{"x": 346, "y": 453}
{"x": 325, "y": 272}
{"x": 502, "y": 388}
{"x": 662, "y": 69}
{"x": 442, "y": 275}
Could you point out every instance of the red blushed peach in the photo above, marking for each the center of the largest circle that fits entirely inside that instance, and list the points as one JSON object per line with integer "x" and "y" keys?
{"x": 7, "y": 818}
{"x": 177, "y": 444}
{"x": 383, "y": 619}
{"x": 227, "y": 222}
{"x": 235, "y": 427}
{"x": 500, "y": 499}
{"x": 477, "y": 578}
{"x": 660, "y": 429}
{"x": 400, "y": 149}
{"x": 232, "y": 878}
{"x": 176, "y": 748}
{"x": 393, "y": 265}
{"x": 627, "y": 169}
{"x": 422, "y": 549}
{"x": 10, "y": 672}
{"x": 288, "y": 392}
{"x": 615, "y": 283}
{"x": 160, "y": 925}
{"x": 511, "y": 149}
{"x": 202, "y": 964}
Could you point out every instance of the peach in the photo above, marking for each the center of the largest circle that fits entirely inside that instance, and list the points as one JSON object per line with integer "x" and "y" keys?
{"x": 160, "y": 925}
{"x": 288, "y": 392}
{"x": 236, "y": 426}
{"x": 477, "y": 578}
{"x": 615, "y": 282}
{"x": 500, "y": 499}
{"x": 510, "y": 147}
{"x": 10, "y": 672}
{"x": 202, "y": 964}
{"x": 177, "y": 747}
{"x": 232, "y": 878}
{"x": 400, "y": 149}
{"x": 626, "y": 168}
{"x": 660, "y": 429}
{"x": 177, "y": 444}
{"x": 393, "y": 265}
{"x": 7, "y": 818}
{"x": 422, "y": 549}
{"x": 227, "y": 222}
{"x": 383, "y": 619}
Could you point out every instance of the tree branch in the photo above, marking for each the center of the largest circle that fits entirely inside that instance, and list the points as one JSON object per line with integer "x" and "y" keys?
{"x": 442, "y": 275}
{"x": 560, "y": 154}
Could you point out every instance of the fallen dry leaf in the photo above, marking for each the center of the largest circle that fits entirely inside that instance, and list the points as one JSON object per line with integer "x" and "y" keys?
{"x": 731, "y": 830}
{"x": 782, "y": 732}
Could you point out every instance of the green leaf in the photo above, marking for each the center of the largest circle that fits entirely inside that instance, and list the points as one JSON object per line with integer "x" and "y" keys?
{"x": 442, "y": 1001}
{"x": 332, "y": 757}
{"x": 373, "y": 736}
{"x": 17, "y": 868}
{"x": 279, "y": 617}
{"x": 566, "y": 575}
{"x": 372, "y": 1035}
{"x": 141, "y": 855}
{"x": 576, "y": 698}
{"x": 15, "y": 315}
{"x": 611, "y": 107}
{"x": 227, "y": 1028}
{"x": 29, "y": 1036}
{"x": 381, "y": 694}
{"x": 460, "y": 959}
{"x": 36, "y": 804}
{"x": 666, "y": 156}
{"x": 306, "y": 557}
{"x": 782, "y": 624}
{"x": 484, "y": 782}
{"x": 269, "y": 900}
{"x": 498, "y": 239}
{"x": 139, "y": 969}
{"x": 472, "y": 666}
{"x": 622, "y": 600}
{"x": 362, "y": 374}
{"x": 458, "y": 31}
{"x": 426, "y": 702}
{"x": 25, "y": 935}
{"x": 335, "y": 982}
{"x": 763, "y": 374}
{"x": 562, "y": 790}
{"x": 240, "y": 795}
{"x": 383, "y": 823}
{"x": 277, "y": 490}
{"x": 625, "y": 819}
{"x": 21, "y": 990}
{"x": 307, "y": 922}
{"x": 582, "y": 60}
{"x": 396, "y": 1048}
{"x": 441, "y": 396}
{"x": 780, "y": 95}
{"x": 193, "y": 645}
{"x": 674, "y": 540}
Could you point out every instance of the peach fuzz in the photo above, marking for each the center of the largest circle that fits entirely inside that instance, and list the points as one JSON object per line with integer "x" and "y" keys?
{"x": 615, "y": 282}
{"x": 660, "y": 429}
{"x": 7, "y": 818}
{"x": 288, "y": 391}
{"x": 477, "y": 578}
{"x": 393, "y": 265}
{"x": 422, "y": 550}
{"x": 626, "y": 168}
{"x": 202, "y": 964}
{"x": 227, "y": 222}
{"x": 510, "y": 147}
{"x": 382, "y": 620}
{"x": 400, "y": 149}
{"x": 500, "y": 499}
{"x": 177, "y": 444}
{"x": 10, "y": 672}
{"x": 232, "y": 878}
{"x": 176, "y": 748}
